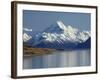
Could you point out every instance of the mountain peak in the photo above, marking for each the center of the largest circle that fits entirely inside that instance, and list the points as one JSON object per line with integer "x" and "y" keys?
{"x": 26, "y": 37}
{"x": 58, "y": 33}
{"x": 61, "y": 25}
{"x": 66, "y": 28}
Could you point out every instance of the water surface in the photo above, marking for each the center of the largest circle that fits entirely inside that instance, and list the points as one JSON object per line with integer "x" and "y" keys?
{"x": 56, "y": 59}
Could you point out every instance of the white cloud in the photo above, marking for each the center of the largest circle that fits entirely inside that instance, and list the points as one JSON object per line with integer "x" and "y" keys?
{"x": 26, "y": 29}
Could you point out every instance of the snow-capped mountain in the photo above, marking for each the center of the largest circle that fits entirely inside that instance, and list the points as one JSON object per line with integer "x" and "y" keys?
{"x": 86, "y": 44}
{"x": 26, "y": 37}
{"x": 60, "y": 32}
{"x": 58, "y": 35}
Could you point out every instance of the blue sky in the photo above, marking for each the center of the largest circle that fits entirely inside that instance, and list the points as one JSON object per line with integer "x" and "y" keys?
{"x": 40, "y": 20}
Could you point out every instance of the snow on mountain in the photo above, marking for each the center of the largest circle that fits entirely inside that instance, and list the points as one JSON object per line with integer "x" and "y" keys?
{"x": 66, "y": 33}
{"x": 26, "y": 37}
{"x": 84, "y": 35}
{"x": 85, "y": 45}
{"x": 57, "y": 35}
{"x": 61, "y": 25}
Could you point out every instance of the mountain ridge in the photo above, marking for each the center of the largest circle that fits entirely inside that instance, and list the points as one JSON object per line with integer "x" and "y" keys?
{"x": 59, "y": 36}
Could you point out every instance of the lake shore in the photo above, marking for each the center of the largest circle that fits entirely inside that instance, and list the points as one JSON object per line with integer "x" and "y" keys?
{"x": 29, "y": 51}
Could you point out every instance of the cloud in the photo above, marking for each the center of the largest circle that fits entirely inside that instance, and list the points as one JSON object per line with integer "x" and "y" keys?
{"x": 26, "y": 29}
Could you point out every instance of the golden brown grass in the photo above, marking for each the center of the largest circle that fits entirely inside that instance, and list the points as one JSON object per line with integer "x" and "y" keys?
{"x": 36, "y": 51}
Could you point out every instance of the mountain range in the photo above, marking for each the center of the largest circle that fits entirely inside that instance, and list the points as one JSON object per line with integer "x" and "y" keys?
{"x": 58, "y": 36}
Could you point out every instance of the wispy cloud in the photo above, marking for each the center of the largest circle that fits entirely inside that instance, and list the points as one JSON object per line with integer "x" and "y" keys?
{"x": 27, "y": 29}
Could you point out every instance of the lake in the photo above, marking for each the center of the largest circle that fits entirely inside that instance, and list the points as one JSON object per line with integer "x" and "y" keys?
{"x": 68, "y": 58}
